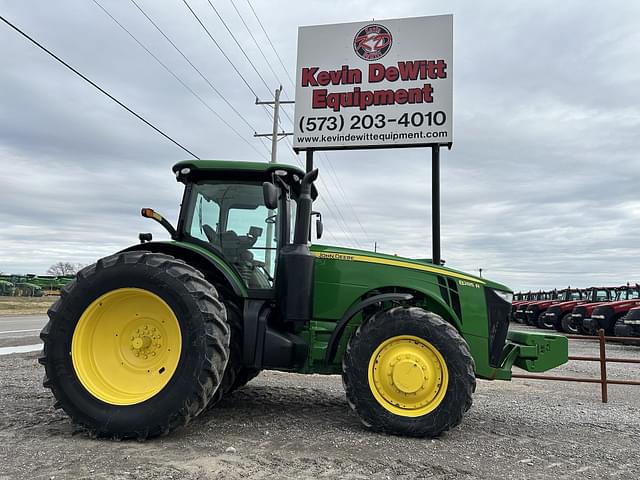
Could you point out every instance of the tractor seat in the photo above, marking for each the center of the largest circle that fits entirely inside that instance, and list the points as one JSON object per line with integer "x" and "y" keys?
{"x": 235, "y": 248}
{"x": 210, "y": 233}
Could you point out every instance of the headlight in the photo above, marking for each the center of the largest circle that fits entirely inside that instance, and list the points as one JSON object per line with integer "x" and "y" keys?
{"x": 506, "y": 296}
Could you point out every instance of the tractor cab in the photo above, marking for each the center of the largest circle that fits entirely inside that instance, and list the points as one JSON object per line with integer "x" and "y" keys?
{"x": 601, "y": 294}
{"x": 224, "y": 210}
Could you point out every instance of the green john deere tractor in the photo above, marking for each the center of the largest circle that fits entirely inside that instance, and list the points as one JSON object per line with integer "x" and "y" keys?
{"x": 7, "y": 288}
{"x": 28, "y": 289}
{"x": 146, "y": 339}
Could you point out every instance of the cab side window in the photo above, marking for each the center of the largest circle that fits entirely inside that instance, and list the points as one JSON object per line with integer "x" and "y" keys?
{"x": 206, "y": 213}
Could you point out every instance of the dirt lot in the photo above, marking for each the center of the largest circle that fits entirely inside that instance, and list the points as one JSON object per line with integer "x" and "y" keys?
{"x": 25, "y": 305}
{"x": 292, "y": 426}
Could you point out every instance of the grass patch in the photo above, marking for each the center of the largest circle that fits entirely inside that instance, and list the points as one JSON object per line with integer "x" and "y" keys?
{"x": 25, "y": 305}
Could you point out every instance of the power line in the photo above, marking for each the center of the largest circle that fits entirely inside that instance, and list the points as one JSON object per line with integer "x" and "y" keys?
{"x": 271, "y": 43}
{"x": 255, "y": 41}
{"x": 346, "y": 230}
{"x": 225, "y": 55}
{"x": 240, "y": 46}
{"x": 344, "y": 195}
{"x": 339, "y": 187}
{"x": 264, "y": 56}
{"x": 275, "y": 137}
{"x": 93, "y": 84}
{"x": 220, "y": 48}
{"x": 174, "y": 75}
{"x": 302, "y": 167}
{"x": 172, "y": 43}
{"x": 251, "y": 89}
{"x": 286, "y": 114}
{"x": 288, "y": 117}
{"x": 339, "y": 217}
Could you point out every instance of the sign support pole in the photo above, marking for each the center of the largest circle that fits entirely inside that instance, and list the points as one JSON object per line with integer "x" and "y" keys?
{"x": 435, "y": 203}
{"x": 309, "y": 160}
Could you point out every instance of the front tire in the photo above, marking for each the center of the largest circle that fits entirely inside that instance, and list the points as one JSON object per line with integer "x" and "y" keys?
{"x": 568, "y": 325}
{"x": 408, "y": 372}
{"x": 543, "y": 323}
{"x": 136, "y": 345}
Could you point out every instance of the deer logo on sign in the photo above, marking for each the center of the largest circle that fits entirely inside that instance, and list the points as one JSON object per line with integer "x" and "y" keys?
{"x": 372, "y": 42}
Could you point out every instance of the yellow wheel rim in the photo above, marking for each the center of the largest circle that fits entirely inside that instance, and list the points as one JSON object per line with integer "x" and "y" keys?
{"x": 408, "y": 376}
{"x": 126, "y": 346}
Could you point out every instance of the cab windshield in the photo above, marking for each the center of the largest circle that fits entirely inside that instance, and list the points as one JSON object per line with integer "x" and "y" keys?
{"x": 233, "y": 219}
{"x": 627, "y": 294}
{"x": 600, "y": 295}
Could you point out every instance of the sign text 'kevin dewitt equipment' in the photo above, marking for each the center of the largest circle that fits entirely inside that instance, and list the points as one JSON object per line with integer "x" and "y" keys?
{"x": 376, "y": 73}
{"x": 387, "y": 83}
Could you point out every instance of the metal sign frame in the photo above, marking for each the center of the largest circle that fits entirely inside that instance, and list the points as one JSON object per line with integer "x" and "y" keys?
{"x": 436, "y": 256}
{"x": 407, "y": 52}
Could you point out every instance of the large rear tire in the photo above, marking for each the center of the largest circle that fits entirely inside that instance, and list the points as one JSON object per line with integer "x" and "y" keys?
{"x": 408, "y": 372}
{"x": 235, "y": 374}
{"x": 245, "y": 375}
{"x": 136, "y": 345}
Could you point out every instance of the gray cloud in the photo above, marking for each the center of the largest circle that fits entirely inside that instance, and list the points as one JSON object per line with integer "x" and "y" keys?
{"x": 540, "y": 188}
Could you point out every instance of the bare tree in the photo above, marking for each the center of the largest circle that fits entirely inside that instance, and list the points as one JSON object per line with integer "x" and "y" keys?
{"x": 64, "y": 268}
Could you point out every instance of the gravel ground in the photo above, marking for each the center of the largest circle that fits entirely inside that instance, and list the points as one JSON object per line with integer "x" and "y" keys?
{"x": 293, "y": 426}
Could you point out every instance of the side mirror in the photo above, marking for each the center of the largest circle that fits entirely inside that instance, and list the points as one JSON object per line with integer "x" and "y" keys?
{"x": 319, "y": 228}
{"x": 319, "y": 224}
{"x": 145, "y": 237}
{"x": 270, "y": 193}
{"x": 255, "y": 232}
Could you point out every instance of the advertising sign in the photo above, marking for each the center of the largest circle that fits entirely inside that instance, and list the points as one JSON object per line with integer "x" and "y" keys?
{"x": 383, "y": 83}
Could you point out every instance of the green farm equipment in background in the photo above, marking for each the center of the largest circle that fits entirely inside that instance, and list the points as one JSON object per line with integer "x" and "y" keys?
{"x": 35, "y": 285}
{"x": 50, "y": 284}
{"x": 7, "y": 288}
{"x": 26, "y": 289}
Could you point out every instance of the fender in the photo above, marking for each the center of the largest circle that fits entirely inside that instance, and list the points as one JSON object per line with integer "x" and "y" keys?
{"x": 332, "y": 346}
{"x": 196, "y": 256}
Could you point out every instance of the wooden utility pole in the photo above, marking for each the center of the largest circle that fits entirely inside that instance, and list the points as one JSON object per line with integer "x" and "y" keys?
{"x": 275, "y": 136}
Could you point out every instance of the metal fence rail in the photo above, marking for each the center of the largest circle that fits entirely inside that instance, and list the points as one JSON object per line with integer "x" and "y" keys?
{"x": 602, "y": 359}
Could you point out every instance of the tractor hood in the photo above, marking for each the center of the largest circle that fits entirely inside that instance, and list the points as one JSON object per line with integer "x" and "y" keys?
{"x": 569, "y": 304}
{"x": 354, "y": 255}
{"x": 590, "y": 307}
{"x": 524, "y": 305}
{"x": 624, "y": 304}
{"x": 543, "y": 303}
{"x": 634, "y": 314}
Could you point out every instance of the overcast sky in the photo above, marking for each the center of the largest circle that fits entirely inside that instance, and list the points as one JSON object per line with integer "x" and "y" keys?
{"x": 541, "y": 188}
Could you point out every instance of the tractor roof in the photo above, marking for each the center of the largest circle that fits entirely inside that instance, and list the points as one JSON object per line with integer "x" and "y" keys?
{"x": 206, "y": 166}
{"x": 198, "y": 170}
